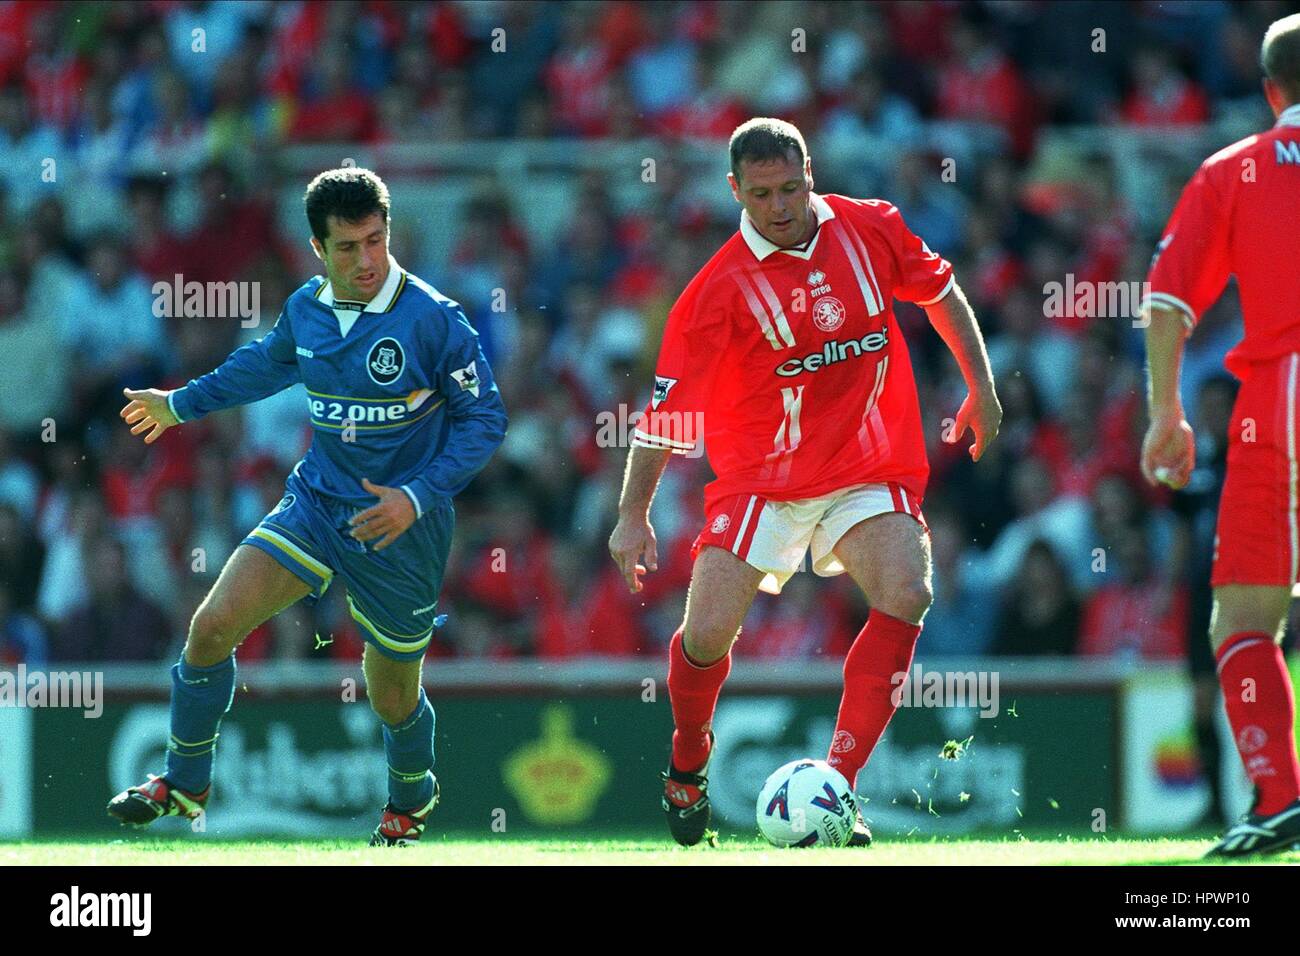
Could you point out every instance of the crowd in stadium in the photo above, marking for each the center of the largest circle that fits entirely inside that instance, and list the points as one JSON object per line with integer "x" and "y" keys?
{"x": 1050, "y": 545}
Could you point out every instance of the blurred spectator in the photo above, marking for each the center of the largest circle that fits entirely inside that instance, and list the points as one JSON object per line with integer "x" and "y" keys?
{"x": 217, "y": 25}
{"x": 1040, "y": 614}
{"x": 113, "y": 622}
{"x": 19, "y": 484}
{"x": 102, "y": 142}
{"x": 337, "y": 111}
{"x": 961, "y": 618}
{"x": 22, "y": 639}
{"x": 110, "y": 329}
{"x": 587, "y": 610}
{"x": 868, "y": 114}
{"x": 176, "y": 140}
{"x": 1059, "y": 523}
{"x": 979, "y": 83}
{"x": 798, "y": 625}
{"x": 33, "y": 388}
{"x": 1142, "y": 615}
{"x": 35, "y": 160}
{"x": 662, "y": 72}
{"x": 1161, "y": 94}
{"x": 22, "y": 558}
{"x": 1024, "y": 345}
{"x": 64, "y": 571}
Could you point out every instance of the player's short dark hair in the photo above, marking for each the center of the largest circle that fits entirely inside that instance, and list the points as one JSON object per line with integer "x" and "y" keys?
{"x": 350, "y": 193}
{"x": 1279, "y": 55}
{"x": 764, "y": 138}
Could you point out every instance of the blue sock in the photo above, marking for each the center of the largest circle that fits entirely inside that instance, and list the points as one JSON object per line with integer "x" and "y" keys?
{"x": 201, "y": 696}
{"x": 409, "y": 746}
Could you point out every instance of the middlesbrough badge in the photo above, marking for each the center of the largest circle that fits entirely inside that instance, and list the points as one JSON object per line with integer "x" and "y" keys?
{"x": 828, "y": 313}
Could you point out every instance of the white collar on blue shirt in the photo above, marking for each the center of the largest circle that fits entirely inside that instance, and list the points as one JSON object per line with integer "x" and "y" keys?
{"x": 382, "y": 301}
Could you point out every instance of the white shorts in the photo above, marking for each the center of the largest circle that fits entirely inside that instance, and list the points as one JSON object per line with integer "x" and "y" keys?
{"x": 775, "y": 536}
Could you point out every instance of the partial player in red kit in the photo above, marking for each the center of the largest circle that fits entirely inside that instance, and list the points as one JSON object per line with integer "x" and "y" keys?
{"x": 784, "y": 357}
{"x": 1240, "y": 215}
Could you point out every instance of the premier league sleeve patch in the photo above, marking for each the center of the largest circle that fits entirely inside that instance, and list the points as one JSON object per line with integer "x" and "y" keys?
{"x": 662, "y": 387}
{"x": 467, "y": 378}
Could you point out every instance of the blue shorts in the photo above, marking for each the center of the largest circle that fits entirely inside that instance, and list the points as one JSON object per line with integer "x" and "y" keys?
{"x": 392, "y": 594}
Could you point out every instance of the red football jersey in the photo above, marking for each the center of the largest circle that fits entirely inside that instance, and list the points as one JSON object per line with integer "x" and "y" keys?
{"x": 790, "y": 365}
{"x": 1239, "y": 215}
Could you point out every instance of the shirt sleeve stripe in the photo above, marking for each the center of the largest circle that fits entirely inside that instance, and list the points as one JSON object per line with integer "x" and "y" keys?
{"x": 654, "y": 441}
{"x": 414, "y": 500}
{"x": 946, "y": 289}
{"x": 1173, "y": 302}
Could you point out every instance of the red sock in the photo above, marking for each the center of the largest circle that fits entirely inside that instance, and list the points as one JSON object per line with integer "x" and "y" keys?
{"x": 1263, "y": 722}
{"x": 882, "y": 649}
{"x": 693, "y": 691}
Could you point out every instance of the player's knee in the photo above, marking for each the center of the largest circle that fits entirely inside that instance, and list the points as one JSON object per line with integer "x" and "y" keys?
{"x": 1225, "y": 626}
{"x": 1242, "y": 614}
{"x": 392, "y": 705}
{"x": 708, "y": 638}
{"x": 212, "y": 636}
{"x": 908, "y": 599}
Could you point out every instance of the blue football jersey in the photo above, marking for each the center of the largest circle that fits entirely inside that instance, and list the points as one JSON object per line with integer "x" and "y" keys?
{"x": 398, "y": 389}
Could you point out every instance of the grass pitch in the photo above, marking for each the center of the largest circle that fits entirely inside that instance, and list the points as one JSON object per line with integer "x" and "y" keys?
{"x": 504, "y": 851}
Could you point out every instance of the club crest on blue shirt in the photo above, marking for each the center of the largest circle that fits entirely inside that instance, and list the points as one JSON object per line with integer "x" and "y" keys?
{"x": 385, "y": 361}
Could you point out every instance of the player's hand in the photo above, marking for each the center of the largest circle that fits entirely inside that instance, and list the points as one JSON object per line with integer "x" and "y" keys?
{"x": 386, "y": 520}
{"x": 981, "y": 412}
{"x": 1169, "y": 451}
{"x": 631, "y": 539}
{"x": 147, "y": 411}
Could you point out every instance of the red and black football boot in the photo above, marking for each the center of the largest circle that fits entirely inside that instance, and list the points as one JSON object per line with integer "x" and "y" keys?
{"x": 142, "y": 805}
{"x": 404, "y": 827}
{"x": 686, "y": 801}
{"x": 861, "y": 835}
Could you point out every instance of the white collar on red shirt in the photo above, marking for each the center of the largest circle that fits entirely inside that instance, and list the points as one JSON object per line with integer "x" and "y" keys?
{"x": 762, "y": 248}
{"x": 1289, "y": 116}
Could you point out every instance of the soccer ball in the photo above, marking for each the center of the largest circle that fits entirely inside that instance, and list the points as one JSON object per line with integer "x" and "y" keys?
{"x": 807, "y": 803}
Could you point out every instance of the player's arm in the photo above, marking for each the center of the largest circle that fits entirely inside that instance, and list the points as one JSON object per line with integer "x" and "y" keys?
{"x": 1188, "y": 273}
{"x": 925, "y": 278}
{"x": 633, "y": 537}
{"x": 251, "y": 373}
{"x": 695, "y": 339}
{"x": 1168, "y": 448}
{"x": 954, "y": 320}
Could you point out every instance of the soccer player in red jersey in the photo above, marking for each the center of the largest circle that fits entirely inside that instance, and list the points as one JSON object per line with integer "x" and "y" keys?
{"x": 1239, "y": 215}
{"x": 783, "y": 355}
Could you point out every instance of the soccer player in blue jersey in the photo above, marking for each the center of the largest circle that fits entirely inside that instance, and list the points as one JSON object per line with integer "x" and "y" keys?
{"x": 404, "y": 413}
